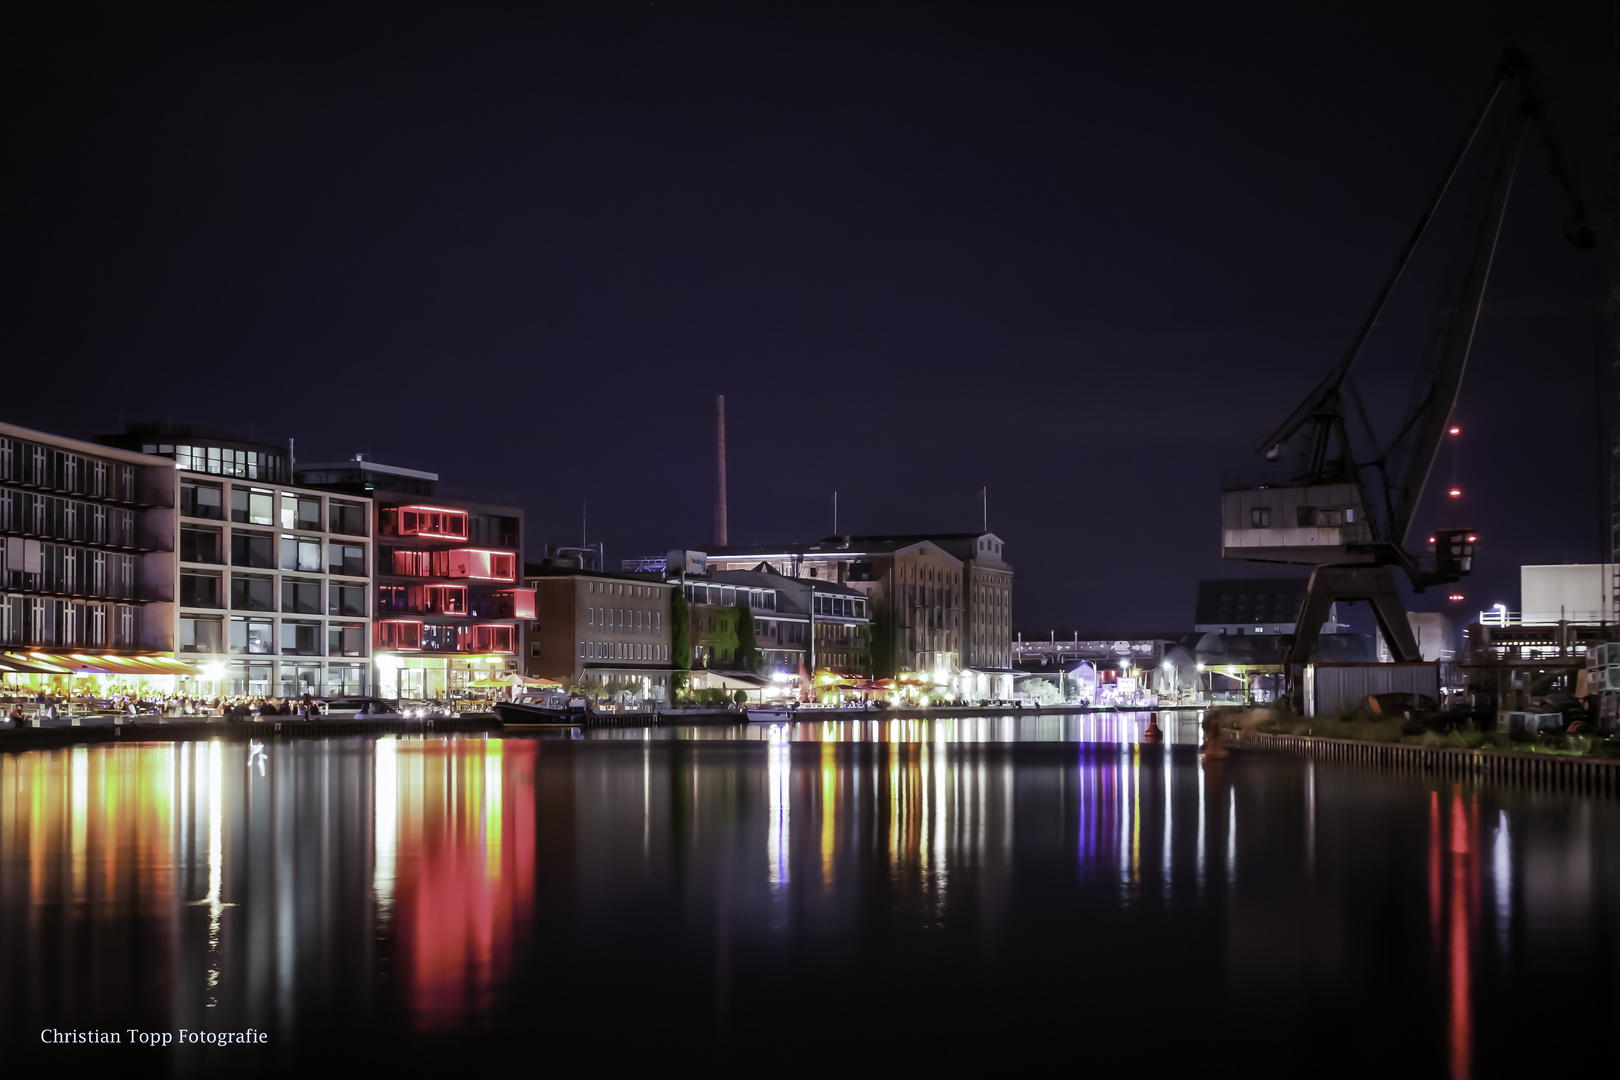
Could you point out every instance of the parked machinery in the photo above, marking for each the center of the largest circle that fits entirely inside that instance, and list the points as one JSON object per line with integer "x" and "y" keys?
{"x": 1348, "y": 510}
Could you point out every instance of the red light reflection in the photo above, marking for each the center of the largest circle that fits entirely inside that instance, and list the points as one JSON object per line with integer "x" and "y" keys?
{"x": 464, "y": 814}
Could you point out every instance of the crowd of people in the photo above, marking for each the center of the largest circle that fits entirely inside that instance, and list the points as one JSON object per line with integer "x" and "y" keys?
{"x": 50, "y": 706}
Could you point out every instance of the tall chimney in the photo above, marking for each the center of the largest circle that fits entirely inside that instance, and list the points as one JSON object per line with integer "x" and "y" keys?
{"x": 720, "y": 470}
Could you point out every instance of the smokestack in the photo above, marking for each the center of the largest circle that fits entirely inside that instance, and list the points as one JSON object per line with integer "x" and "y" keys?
{"x": 720, "y": 470}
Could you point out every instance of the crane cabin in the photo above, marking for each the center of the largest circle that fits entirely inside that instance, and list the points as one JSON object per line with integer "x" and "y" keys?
{"x": 1306, "y": 524}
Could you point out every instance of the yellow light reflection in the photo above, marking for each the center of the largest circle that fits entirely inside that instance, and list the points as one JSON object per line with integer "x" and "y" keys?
{"x": 829, "y": 810}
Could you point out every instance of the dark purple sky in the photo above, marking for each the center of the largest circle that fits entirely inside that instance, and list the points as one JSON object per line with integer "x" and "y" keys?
{"x": 1084, "y": 258}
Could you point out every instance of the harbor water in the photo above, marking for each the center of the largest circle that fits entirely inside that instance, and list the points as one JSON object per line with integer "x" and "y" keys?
{"x": 976, "y": 893}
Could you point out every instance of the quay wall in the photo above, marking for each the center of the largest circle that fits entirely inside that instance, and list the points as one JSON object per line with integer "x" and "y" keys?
{"x": 1558, "y": 772}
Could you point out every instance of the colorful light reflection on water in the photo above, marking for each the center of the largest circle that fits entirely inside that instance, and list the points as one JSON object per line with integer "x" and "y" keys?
{"x": 388, "y": 891}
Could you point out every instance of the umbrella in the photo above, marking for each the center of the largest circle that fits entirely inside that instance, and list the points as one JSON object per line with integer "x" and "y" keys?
{"x": 490, "y": 684}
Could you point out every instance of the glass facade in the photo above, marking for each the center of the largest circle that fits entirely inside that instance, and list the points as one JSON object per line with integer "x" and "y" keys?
{"x": 76, "y": 531}
{"x": 274, "y": 585}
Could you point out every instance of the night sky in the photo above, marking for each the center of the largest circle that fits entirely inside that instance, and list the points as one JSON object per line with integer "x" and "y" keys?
{"x": 1084, "y": 256}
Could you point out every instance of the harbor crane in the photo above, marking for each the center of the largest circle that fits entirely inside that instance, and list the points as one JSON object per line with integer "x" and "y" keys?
{"x": 1350, "y": 515}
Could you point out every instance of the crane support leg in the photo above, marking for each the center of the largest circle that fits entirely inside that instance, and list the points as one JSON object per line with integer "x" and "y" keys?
{"x": 1374, "y": 584}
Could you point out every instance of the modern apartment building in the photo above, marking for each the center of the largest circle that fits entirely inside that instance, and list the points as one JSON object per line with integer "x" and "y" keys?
{"x": 448, "y": 606}
{"x": 87, "y": 560}
{"x": 608, "y": 629}
{"x": 274, "y": 580}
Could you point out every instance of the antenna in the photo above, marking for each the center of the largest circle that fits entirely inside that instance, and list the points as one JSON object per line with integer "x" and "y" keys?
{"x": 984, "y": 502}
{"x": 835, "y": 513}
{"x": 584, "y": 533}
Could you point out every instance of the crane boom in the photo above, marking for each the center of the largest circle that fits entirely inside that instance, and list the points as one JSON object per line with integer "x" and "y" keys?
{"x": 1323, "y": 512}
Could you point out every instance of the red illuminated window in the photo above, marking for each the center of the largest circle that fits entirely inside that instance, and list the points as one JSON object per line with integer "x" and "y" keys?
{"x": 399, "y": 634}
{"x": 514, "y": 604}
{"x": 492, "y": 638}
{"x": 431, "y": 521}
{"x": 475, "y": 563}
{"x": 444, "y": 599}
{"x": 413, "y": 563}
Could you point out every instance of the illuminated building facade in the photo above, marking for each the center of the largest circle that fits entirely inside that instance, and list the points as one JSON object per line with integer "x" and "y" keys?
{"x": 915, "y": 586}
{"x": 448, "y": 606}
{"x": 801, "y": 625}
{"x": 87, "y": 560}
{"x": 608, "y": 629}
{"x": 940, "y": 603}
{"x": 274, "y": 581}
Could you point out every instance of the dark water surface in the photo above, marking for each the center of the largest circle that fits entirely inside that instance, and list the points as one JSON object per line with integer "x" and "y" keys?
{"x": 838, "y": 898}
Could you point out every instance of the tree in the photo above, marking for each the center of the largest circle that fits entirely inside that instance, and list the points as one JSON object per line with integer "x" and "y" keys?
{"x": 680, "y": 637}
{"x": 1042, "y": 691}
{"x": 885, "y": 661}
{"x": 748, "y": 658}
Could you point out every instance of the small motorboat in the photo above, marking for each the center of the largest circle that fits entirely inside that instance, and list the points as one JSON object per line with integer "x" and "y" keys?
{"x": 542, "y": 709}
{"x": 770, "y": 716}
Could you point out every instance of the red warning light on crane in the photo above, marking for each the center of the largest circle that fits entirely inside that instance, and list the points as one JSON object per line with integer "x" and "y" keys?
{"x": 1454, "y": 430}
{"x": 1473, "y": 539}
{"x": 1457, "y": 596}
{"x": 1455, "y": 493}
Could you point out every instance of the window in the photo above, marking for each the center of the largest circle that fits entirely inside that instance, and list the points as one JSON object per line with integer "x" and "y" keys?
{"x": 1305, "y": 517}
{"x": 1329, "y": 519}
{"x": 200, "y": 634}
{"x": 345, "y": 640}
{"x": 399, "y": 634}
{"x": 412, "y": 563}
{"x": 200, "y": 500}
{"x": 250, "y": 635}
{"x": 300, "y": 597}
{"x": 346, "y": 518}
{"x": 253, "y": 549}
{"x": 391, "y": 598}
{"x": 443, "y": 599}
{"x": 493, "y": 638}
{"x": 346, "y": 559}
{"x": 432, "y": 521}
{"x": 441, "y": 638}
{"x": 300, "y": 512}
{"x": 346, "y": 678}
{"x": 346, "y": 600}
{"x": 250, "y": 592}
{"x": 1260, "y": 517}
{"x": 199, "y": 590}
{"x": 252, "y": 506}
{"x": 200, "y": 545}
{"x": 475, "y": 563}
{"x": 301, "y": 639}
{"x": 1349, "y": 515}
{"x": 301, "y": 553}
{"x": 493, "y": 530}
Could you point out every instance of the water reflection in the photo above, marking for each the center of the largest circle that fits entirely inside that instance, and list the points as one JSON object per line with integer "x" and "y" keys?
{"x": 1180, "y": 727}
{"x": 388, "y": 890}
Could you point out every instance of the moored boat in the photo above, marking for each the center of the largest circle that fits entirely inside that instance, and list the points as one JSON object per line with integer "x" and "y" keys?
{"x": 541, "y": 709}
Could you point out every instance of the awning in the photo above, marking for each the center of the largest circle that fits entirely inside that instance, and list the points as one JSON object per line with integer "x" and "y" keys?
{"x": 94, "y": 664}
{"x": 730, "y": 680}
{"x": 28, "y": 665}
{"x": 138, "y": 665}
